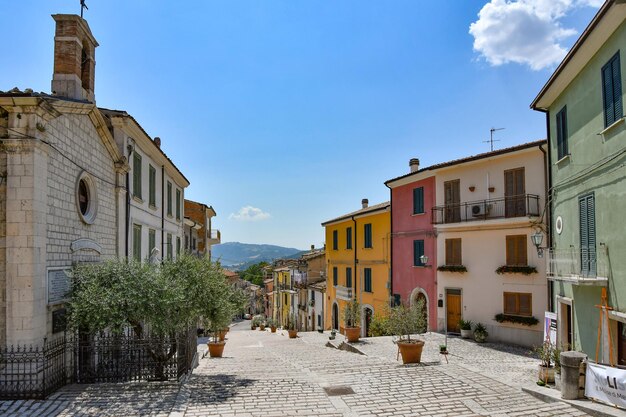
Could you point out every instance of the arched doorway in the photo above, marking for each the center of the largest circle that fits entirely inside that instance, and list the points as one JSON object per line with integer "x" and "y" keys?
{"x": 368, "y": 313}
{"x": 419, "y": 297}
{"x": 335, "y": 316}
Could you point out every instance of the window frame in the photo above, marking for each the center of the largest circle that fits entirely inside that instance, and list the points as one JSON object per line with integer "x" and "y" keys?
{"x": 367, "y": 236}
{"x": 151, "y": 241}
{"x": 517, "y": 311}
{"x": 416, "y": 259}
{"x": 348, "y": 237}
{"x": 178, "y": 195}
{"x": 561, "y": 134}
{"x": 137, "y": 230}
{"x": 170, "y": 249}
{"x": 335, "y": 276}
{"x": 335, "y": 239}
{"x": 515, "y": 255}
{"x": 151, "y": 186}
{"x": 367, "y": 280}
{"x": 451, "y": 256}
{"x": 137, "y": 162}
{"x": 348, "y": 277}
{"x": 169, "y": 198}
{"x": 611, "y": 98}
{"x": 418, "y": 204}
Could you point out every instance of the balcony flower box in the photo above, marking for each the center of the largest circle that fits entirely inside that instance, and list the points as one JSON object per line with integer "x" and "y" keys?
{"x": 526, "y": 321}
{"x": 515, "y": 269}
{"x": 452, "y": 268}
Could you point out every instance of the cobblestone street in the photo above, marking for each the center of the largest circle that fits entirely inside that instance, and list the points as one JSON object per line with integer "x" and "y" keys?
{"x": 264, "y": 374}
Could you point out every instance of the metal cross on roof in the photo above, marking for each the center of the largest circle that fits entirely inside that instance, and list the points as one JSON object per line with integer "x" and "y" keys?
{"x": 83, "y": 6}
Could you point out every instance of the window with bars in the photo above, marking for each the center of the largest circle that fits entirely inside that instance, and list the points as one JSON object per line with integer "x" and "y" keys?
{"x": 453, "y": 252}
{"x": 137, "y": 175}
{"x": 518, "y": 303}
{"x": 367, "y": 279}
{"x": 612, "y": 90}
{"x": 516, "y": 254}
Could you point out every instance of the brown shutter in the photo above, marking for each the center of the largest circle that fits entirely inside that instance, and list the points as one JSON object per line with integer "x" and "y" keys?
{"x": 525, "y": 304}
{"x": 510, "y": 303}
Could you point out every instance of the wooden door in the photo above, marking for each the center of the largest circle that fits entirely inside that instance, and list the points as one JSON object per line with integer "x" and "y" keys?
{"x": 452, "y": 201}
{"x": 515, "y": 192}
{"x": 453, "y": 310}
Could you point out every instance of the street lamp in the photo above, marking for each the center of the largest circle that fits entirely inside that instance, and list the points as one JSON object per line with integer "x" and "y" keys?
{"x": 424, "y": 260}
{"x": 537, "y": 239}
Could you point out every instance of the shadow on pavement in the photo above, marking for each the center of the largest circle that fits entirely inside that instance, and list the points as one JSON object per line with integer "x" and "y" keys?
{"x": 213, "y": 389}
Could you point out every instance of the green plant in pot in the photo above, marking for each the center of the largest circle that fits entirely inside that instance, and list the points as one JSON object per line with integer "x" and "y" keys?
{"x": 480, "y": 333}
{"x": 466, "y": 328}
{"x": 262, "y": 322}
{"x": 292, "y": 326}
{"x": 548, "y": 354}
{"x": 407, "y": 321}
{"x": 271, "y": 323}
{"x": 351, "y": 320}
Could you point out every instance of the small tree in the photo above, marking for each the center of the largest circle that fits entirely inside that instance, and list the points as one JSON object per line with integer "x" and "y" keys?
{"x": 405, "y": 321}
{"x": 352, "y": 314}
{"x": 291, "y": 322}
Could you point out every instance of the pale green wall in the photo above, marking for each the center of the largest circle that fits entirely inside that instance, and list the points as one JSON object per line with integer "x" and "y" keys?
{"x": 585, "y": 119}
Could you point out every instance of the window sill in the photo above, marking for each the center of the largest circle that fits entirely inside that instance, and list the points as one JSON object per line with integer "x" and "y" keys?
{"x": 152, "y": 206}
{"x": 612, "y": 126}
{"x": 137, "y": 199}
{"x": 417, "y": 214}
{"x": 562, "y": 160}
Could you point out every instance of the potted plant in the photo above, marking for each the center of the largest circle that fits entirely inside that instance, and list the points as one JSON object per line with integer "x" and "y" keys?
{"x": 351, "y": 320}
{"x": 292, "y": 327}
{"x": 466, "y": 328}
{"x": 272, "y": 324}
{"x": 254, "y": 323}
{"x": 480, "y": 333}
{"x": 443, "y": 349}
{"x": 262, "y": 322}
{"x": 548, "y": 356}
{"x": 403, "y": 322}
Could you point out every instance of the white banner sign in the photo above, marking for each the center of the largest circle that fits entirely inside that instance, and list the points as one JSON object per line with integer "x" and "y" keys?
{"x": 606, "y": 384}
{"x": 549, "y": 327}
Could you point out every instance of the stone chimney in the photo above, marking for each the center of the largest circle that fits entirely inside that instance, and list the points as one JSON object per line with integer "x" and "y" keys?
{"x": 414, "y": 163}
{"x": 74, "y": 58}
{"x": 365, "y": 202}
{"x": 157, "y": 142}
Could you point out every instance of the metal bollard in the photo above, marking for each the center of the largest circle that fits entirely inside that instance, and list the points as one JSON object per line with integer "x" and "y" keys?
{"x": 570, "y": 372}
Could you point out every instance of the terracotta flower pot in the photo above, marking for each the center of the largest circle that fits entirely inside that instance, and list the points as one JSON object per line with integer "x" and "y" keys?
{"x": 216, "y": 349}
{"x": 253, "y": 327}
{"x": 273, "y": 328}
{"x": 293, "y": 334}
{"x": 262, "y": 327}
{"x": 411, "y": 352}
{"x": 546, "y": 374}
{"x": 353, "y": 334}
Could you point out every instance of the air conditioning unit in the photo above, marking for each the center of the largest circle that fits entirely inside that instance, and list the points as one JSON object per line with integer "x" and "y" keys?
{"x": 480, "y": 209}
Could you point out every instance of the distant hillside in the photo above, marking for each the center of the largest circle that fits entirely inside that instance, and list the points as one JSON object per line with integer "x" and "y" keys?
{"x": 235, "y": 255}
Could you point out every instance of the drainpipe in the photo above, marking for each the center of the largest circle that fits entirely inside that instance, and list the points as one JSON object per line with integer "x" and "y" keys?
{"x": 548, "y": 180}
{"x": 129, "y": 149}
{"x": 356, "y": 260}
{"x": 163, "y": 213}
{"x": 390, "y": 277}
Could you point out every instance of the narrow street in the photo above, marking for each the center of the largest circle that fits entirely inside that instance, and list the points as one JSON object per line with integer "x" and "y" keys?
{"x": 265, "y": 374}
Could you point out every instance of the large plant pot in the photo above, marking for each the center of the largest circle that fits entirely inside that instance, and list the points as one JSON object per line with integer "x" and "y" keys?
{"x": 292, "y": 334}
{"x": 546, "y": 374}
{"x": 253, "y": 327}
{"x": 411, "y": 352}
{"x": 273, "y": 329}
{"x": 216, "y": 349}
{"x": 480, "y": 337}
{"x": 262, "y": 327}
{"x": 353, "y": 334}
{"x": 467, "y": 334}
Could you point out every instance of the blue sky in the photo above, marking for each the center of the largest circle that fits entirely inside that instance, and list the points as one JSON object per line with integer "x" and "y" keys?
{"x": 284, "y": 114}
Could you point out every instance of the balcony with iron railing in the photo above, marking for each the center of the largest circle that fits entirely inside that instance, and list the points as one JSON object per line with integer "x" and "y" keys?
{"x": 578, "y": 266}
{"x": 523, "y": 205}
{"x": 284, "y": 287}
{"x": 214, "y": 236}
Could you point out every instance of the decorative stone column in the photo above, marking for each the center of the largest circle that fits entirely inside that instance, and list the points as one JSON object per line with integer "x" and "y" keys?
{"x": 570, "y": 373}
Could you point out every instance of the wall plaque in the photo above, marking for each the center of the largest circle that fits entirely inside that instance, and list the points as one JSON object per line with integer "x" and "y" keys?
{"x": 58, "y": 285}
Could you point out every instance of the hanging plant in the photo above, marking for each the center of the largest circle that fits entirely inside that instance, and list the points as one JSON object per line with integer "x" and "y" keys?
{"x": 526, "y": 321}
{"x": 452, "y": 268}
{"x": 511, "y": 269}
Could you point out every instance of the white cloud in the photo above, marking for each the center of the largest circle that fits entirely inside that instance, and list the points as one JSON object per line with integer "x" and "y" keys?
{"x": 526, "y": 32}
{"x": 249, "y": 214}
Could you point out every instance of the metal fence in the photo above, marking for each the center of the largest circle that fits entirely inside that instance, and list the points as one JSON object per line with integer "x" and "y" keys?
{"x": 28, "y": 372}
{"x": 496, "y": 208}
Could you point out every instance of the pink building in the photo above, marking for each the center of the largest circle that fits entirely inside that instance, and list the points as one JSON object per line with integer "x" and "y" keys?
{"x": 412, "y": 235}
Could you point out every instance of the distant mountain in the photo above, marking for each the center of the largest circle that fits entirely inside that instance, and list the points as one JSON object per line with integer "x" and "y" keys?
{"x": 238, "y": 256}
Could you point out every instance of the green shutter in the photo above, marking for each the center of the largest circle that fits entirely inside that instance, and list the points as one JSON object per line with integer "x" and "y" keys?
{"x": 169, "y": 247}
{"x": 349, "y": 277}
{"x": 418, "y": 200}
{"x": 169, "y": 198}
{"x": 177, "y": 246}
{"x": 617, "y": 87}
{"x": 152, "y": 185}
{"x": 335, "y": 276}
{"x": 368, "y": 279}
{"x": 137, "y": 175}
{"x": 349, "y": 238}
{"x": 587, "y": 235}
{"x": 368, "y": 235}
{"x": 418, "y": 251}
{"x": 177, "y": 204}
{"x": 151, "y": 241}
{"x": 137, "y": 242}
{"x": 612, "y": 90}
{"x": 561, "y": 133}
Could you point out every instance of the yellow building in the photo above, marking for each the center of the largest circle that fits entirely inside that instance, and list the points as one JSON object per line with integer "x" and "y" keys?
{"x": 284, "y": 292}
{"x": 358, "y": 263}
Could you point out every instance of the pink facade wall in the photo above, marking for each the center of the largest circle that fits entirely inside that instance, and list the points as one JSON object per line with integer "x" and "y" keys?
{"x": 406, "y": 228}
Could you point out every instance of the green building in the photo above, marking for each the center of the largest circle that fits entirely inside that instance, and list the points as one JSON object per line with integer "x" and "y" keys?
{"x": 583, "y": 102}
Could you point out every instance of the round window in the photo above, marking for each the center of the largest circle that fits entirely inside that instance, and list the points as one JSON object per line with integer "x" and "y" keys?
{"x": 86, "y": 201}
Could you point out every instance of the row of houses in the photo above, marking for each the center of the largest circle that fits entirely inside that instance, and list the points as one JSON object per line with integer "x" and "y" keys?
{"x": 505, "y": 236}
{"x": 80, "y": 183}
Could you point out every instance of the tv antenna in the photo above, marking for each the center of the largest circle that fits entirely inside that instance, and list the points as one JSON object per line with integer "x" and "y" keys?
{"x": 491, "y": 139}
{"x": 83, "y": 6}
